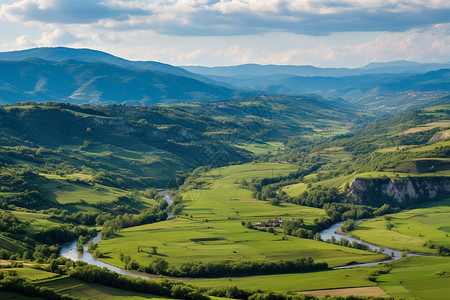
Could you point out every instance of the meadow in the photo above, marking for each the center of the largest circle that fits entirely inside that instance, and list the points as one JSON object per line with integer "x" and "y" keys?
{"x": 418, "y": 277}
{"x": 67, "y": 192}
{"x": 209, "y": 227}
{"x": 332, "y": 279}
{"x": 410, "y": 229}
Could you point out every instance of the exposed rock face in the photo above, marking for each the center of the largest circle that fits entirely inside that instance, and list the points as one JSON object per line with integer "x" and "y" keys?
{"x": 440, "y": 136}
{"x": 400, "y": 192}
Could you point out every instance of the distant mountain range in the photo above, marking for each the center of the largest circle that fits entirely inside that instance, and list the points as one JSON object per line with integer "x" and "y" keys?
{"x": 90, "y": 76}
{"x": 379, "y": 87}
{"x": 88, "y": 55}
{"x": 252, "y": 70}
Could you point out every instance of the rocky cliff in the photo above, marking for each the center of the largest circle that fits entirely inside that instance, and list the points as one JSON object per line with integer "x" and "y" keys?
{"x": 400, "y": 192}
{"x": 440, "y": 136}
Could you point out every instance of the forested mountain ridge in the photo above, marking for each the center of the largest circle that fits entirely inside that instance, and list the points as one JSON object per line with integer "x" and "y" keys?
{"x": 159, "y": 141}
{"x": 59, "y": 54}
{"x": 124, "y": 146}
{"x": 97, "y": 82}
{"x": 90, "y": 76}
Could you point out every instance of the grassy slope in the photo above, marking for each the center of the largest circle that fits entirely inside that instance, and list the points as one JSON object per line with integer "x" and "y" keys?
{"x": 65, "y": 192}
{"x": 33, "y": 274}
{"x": 412, "y": 228}
{"x": 418, "y": 278}
{"x": 77, "y": 288}
{"x": 224, "y": 205}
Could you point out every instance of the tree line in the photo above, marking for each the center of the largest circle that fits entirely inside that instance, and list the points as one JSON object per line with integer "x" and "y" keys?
{"x": 224, "y": 268}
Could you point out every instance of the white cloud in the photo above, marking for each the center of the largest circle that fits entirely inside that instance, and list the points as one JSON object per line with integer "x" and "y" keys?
{"x": 234, "y": 17}
{"x": 234, "y": 32}
{"x": 46, "y": 39}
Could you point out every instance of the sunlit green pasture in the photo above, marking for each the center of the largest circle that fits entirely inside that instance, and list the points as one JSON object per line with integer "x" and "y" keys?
{"x": 333, "y": 279}
{"x": 35, "y": 221}
{"x": 411, "y": 228}
{"x": 294, "y": 190}
{"x": 209, "y": 228}
{"x": 33, "y": 274}
{"x": 418, "y": 278}
{"x": 65, "y": 192}
{"x": 261, "y": 148}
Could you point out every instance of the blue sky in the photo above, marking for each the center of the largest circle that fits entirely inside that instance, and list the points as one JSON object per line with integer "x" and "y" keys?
{"x": 326, "y": 33}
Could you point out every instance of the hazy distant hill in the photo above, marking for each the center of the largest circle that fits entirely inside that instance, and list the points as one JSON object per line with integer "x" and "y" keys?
{"x": 90, "y": 76}
{"x": 382, "y": 92}
{"x": 89, "y": 82}
{"x": 246, "y": 70}
{"x": 89, "y": 55}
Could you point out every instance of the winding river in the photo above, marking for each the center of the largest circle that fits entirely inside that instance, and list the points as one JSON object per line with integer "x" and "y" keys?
{"x": 331, "y": 231}
{"x": 68, "y": 250}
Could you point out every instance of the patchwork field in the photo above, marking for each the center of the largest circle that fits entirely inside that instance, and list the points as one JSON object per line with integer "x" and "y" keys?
{"x": 209, "y": 228}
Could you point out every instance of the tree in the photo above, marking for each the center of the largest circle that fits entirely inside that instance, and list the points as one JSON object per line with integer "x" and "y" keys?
{"x": 160, "y": 265}
{"x": 317, "y": 237}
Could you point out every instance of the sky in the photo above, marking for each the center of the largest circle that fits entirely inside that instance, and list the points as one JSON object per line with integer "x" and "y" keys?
{"x": 324, "y": 33}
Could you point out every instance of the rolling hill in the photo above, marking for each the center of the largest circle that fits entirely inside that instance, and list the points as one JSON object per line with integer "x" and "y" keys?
{"x": 97, "y": 82}
{"x": 59, "y": 54}
{"x": 386, "y": 93}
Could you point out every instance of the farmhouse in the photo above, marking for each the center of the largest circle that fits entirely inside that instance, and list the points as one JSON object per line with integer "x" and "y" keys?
{"x": 276, "y": 222}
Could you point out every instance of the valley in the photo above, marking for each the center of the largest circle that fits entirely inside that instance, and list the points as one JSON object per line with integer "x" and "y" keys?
{"x": 256, "y": 176}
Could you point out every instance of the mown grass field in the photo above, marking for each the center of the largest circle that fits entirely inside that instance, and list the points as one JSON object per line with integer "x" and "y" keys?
{"x": 214, "y": 232}
{"x": 412, "y": 228}
{"x": 261, "y": 148}
{"x": 33, "y": 274}
{"x": 65, "y": 192}
{"x": 296, "y": 282}
{"x": 77, "y": 288}
{"x": 418, "y": 278}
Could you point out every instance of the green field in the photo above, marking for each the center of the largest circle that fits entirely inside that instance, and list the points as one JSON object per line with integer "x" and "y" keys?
{"x": 33, "y": 274}
{"x": 65, "y": 192}
{"x": 11, "y": 244}
{"x": 261, "y": 148}
{"x": 77, "y": 288}
{"x": 214, "y": 232}
{"x": 412, "y": 228}
{"x": 295, "y": 282}
{"x": 418, "y": 278}
{"x": 295, "y": 190}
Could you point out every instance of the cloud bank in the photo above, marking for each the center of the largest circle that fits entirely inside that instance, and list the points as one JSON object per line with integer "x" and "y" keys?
{"x": 234, "y": 17}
